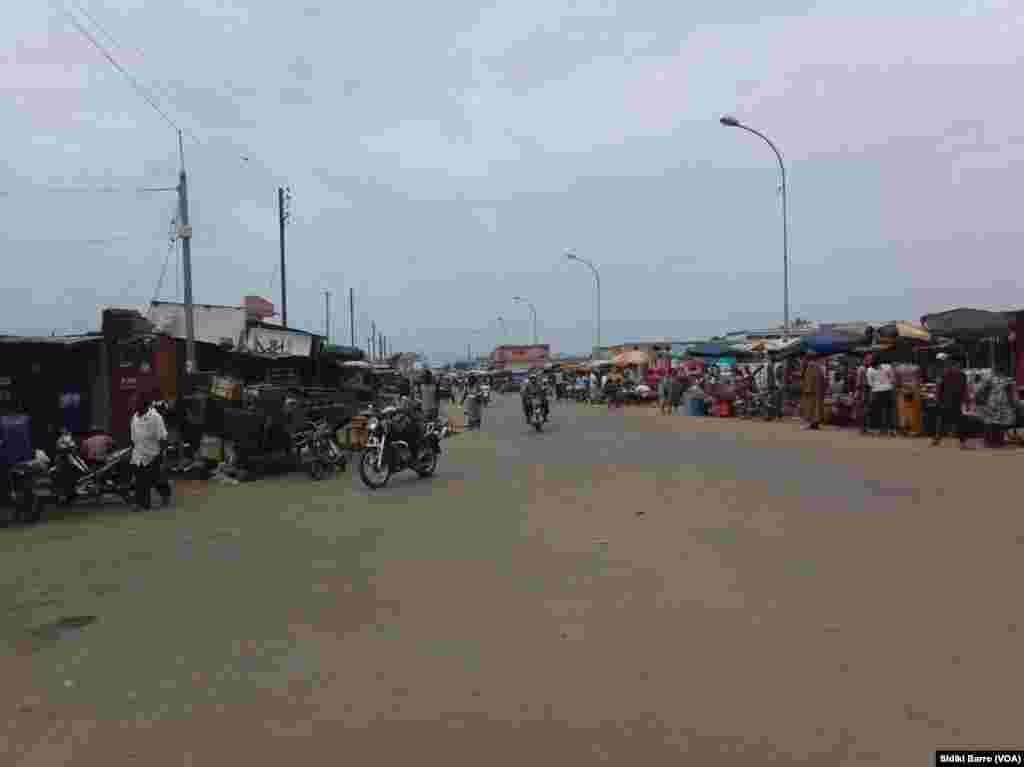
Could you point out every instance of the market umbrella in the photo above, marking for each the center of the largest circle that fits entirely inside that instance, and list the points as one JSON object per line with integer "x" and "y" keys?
{"x": 710, "y": 349}
{"x": 826, "y": 343}
{"x": 905, "y": 330}
{"x": 968, "y": 323}
{"x": 634, "y": 357}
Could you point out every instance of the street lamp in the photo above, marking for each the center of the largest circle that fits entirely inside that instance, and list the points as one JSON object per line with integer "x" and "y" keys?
{"x": 504, "y": 330}
{"x": 571, "y": 256}
{"x": 731, "y": 122}
{"x": 533, "y": 309}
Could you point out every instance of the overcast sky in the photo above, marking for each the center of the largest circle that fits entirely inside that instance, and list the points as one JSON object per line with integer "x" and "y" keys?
{"x": 444, "y": 155}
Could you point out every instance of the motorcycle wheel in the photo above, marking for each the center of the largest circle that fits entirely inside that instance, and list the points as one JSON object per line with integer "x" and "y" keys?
{"x": 373, "y": 477}
{"x": 317, "y": 470}
{"x": 538, "y": 424}
{"x": 428, "y": 464}
{"x": 30, "y": 507}
{"x": 8, "y": 514}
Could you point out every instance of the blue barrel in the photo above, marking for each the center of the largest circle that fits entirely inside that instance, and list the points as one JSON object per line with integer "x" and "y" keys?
{"x": 15, "y": 439}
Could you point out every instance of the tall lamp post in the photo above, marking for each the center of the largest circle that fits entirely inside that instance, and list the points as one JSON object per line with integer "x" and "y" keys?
{"x": 571, "y": 256}
{"x": 731, "y": 122}
{"x": 533, "y": 309}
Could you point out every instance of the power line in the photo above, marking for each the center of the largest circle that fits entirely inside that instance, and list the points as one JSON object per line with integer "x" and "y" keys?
{"x": 127, "y": 75}
{"x": 172, "y": 242}
{"x": 113, "y": 42}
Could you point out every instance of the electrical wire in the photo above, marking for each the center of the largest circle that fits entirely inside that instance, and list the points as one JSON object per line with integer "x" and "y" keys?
{"x": 127, "y": 75}
{"x": 113, "y": 42}
{"x": 172, "y": 243}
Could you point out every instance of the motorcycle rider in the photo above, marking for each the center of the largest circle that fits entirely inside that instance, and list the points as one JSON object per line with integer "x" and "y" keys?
{"x": 534, "y": 388}
{"x": 408, "y": 425}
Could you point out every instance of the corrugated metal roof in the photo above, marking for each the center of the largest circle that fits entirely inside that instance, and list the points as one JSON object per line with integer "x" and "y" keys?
{"x": 52, "y": 340}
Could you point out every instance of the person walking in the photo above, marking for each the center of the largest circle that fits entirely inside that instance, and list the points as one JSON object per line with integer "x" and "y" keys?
{"x": 149, "y": 438}
{"x": 665, "y": 394}
{"x": 951, "y": 395}
{"x": 677, "y": 387}
{"x": 812, "y": 396}
{"x": 863, "y": 393}
{"x": 880, "y": 379}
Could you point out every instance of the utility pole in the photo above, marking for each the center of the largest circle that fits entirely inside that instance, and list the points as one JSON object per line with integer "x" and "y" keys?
{"x": 373, "y": 340}
{"x": 352, "y": 315}
{"x": 283, "y": 195}
{"x": 327, "y": 316}
{"x": 185, "y": 233}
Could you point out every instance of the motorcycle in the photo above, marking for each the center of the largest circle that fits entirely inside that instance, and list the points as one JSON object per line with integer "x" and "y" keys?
{"x": 384, "y": 455}
{"x": 74, "y": 479}
{"x": 315, "y": 445}
{"x": 485, "y": 394}
{"x": 473, "y": 407}
{"x": 28, "y": 487}
{"x": 536, "y": 419}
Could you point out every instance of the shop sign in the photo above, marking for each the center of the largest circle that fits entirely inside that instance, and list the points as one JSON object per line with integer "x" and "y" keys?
{"x": 520, "y": 356}
{"x": 278, "y": 343}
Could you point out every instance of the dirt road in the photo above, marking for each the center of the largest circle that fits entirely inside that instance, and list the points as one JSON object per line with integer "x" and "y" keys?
{"x": 627, "y": 589}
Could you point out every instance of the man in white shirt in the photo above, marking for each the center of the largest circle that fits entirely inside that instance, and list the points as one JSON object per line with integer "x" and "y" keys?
{"x": 149, "y": 436}
{"x": 880, "y": 379}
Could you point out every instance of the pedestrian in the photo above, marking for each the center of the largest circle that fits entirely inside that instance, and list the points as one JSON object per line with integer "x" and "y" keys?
{"x": 812, "y": 393}
{"x": 149, "y": 438}
{"x": 863, "y": 392}
{"x": 951, "y": 396}
{"x": 677, "y": 387}
{"x": 880, "y": 379}
{"x": 428, "y": 395}
{"x": 665, "y": 394}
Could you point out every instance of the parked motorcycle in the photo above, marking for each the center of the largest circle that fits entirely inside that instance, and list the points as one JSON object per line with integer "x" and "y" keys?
{"x": 536, "y": 418}
{"x": 316, "y": 447}
{"x": 485, "y": 394}
{"x": 384, "y": 455}
{"x": 74, "y": 479}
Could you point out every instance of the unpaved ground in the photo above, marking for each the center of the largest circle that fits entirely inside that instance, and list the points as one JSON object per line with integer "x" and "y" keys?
{"x": 622, "y": 589}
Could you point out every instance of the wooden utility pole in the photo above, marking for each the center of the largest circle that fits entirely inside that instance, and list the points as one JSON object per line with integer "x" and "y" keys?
{"x": 185, "y": 233}
{"x": 327, "y": 316}
{"x": 283, "y": 195}
{"x": 352, "y": 315}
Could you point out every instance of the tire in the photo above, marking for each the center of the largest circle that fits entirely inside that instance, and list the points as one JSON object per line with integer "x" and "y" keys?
{"x": 427, "y": 468}
{"x": 30, "y": 507}
{"x": 538, "y": 424}
{"x": 8, "y": 514}
{"x": 317, "y": 470}
{"x": 368, "y": 472}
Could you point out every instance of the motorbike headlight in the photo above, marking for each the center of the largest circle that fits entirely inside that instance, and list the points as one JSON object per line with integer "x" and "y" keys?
{"x": 372, "y": 424}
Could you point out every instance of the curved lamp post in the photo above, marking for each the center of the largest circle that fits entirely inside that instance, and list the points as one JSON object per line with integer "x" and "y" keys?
{"x": 571, "y": 256}
{"x": 521, "y": 300}
{"x": 731, "y": 122}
